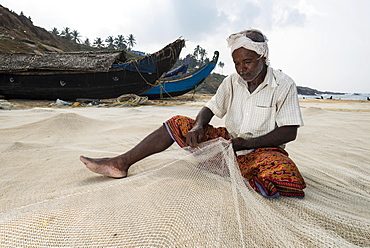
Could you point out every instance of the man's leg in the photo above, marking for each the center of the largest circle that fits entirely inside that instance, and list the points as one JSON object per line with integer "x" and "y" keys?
{"x": 270, "y": 171}
{"x": 179, "y": 126}
{"x": 117, "y": 167}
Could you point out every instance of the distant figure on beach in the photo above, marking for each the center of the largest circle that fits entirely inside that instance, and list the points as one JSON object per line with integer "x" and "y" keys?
{"x": 368, "y": 98}
{"x": 262, "y": 114}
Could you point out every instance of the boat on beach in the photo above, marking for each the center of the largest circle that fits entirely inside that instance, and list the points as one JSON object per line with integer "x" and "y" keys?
{"x": 182, "y": 69}
{"x": 177, "y": 85}
{"x": 95, "y": 75}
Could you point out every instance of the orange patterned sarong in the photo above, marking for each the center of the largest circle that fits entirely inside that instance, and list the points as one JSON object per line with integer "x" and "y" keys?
{"x": 268, "y": 170}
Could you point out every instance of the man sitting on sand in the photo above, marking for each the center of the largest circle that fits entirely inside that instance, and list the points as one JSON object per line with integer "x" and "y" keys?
{"x": 262, "y": 114}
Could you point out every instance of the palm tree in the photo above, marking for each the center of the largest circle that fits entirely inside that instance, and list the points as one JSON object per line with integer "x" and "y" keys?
{"x": 110, "y": 42}
{"x": 131, "y": 41}
{"x": 120, "y": 42}
{"x": 75, "y": 34}
{"x": 196, "y": 51}
{"x": 66, "y": 33}
{"x": 54, "y": 31}
{"x": 203, "y": 54}
{"x": 221, "y": 65}
{"x": 87, "y": 42}
{"x": 193, "y": 62}
{"x": 98, "y": 43}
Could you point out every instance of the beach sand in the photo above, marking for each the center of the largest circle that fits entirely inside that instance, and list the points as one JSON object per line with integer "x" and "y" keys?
{"x": 40, "y": 148}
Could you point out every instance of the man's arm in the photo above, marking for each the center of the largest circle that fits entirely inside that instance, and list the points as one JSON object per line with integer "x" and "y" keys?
{"x": 277, "y": 137}
{"x": 196, "y": 134}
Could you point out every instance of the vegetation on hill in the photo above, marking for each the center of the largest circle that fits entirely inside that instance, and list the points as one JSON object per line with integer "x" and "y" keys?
{"x": 197, "y": 59}
{"x": 308, "y": 91}
{"x": 211, "y": 83}
{"x": 110, "y": 43}
{"x": 19, "y": 35}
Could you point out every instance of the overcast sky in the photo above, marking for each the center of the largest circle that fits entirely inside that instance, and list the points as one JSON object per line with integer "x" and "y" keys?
{"x": 322, "y": 44}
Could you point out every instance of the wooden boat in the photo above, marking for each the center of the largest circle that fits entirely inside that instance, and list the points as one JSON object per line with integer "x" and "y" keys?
{"x": 182, "y": 69}
{"x": 95, "y": 75}
{"x": 180, "y": 84}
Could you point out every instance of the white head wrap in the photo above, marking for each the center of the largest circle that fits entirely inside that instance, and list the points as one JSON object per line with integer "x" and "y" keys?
{"x": 240, "y": 39}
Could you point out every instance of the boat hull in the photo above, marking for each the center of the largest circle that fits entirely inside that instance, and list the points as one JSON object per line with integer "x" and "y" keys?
{"x": 182, "y": 84}
{"x": 97, "y": 85}
{"x": 132, "y": 78}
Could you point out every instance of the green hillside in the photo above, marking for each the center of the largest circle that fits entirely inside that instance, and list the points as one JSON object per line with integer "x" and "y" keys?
{"x": 19, "y": 35}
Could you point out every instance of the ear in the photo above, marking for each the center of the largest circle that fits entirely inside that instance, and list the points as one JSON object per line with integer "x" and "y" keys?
{"x": 264, "y": 60}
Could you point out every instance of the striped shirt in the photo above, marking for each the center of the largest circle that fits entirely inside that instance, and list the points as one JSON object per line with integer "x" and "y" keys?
{"x": 249, "y": 115}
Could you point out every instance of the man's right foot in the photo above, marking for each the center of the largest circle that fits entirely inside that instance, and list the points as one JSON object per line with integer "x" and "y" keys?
{"x": 105, "y": 166}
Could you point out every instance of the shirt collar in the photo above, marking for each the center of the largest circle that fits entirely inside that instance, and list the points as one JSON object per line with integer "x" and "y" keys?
{"x": 270, "y": 78}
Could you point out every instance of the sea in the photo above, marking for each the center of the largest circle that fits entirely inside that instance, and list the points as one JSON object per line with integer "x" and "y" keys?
{"x": 354, "y": 96}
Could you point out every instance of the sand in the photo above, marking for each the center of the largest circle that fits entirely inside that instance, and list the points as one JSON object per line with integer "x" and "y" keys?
{"x": 40, "y": 147}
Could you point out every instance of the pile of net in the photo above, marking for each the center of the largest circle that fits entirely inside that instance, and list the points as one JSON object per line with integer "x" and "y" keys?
{"x": 198, "y": 200}
{"x": 131, "y": 100}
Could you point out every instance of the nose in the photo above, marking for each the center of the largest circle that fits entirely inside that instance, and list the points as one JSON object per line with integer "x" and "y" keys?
{"x": 240, "y": 68}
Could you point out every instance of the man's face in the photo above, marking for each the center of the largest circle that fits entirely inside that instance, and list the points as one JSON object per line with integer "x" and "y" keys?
{"x": 248, "y": 64}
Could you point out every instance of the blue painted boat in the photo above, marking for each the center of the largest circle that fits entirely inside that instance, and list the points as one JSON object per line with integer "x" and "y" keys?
{"x": 180, "y": 84}
{"x": 182, "y": 69}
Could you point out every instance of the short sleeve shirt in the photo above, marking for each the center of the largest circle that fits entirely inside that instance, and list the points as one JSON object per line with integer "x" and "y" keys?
{"x": 274, "y": 103}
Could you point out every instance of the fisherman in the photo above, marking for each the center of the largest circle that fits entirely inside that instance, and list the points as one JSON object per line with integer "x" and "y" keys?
{"x": 261, "y": 110}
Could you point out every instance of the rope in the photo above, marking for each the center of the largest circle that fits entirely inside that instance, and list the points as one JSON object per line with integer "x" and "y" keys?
{"x": 142, "y": 76}
{"x": 160, "y": 92}
{"x": 171, "y": 55}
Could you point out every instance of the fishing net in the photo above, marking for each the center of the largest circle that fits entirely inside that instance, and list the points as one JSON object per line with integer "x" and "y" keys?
{"x": 197, "y": 200}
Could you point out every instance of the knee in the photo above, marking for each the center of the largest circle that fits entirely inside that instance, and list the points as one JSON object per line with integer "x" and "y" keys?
{"x": 178, "y": 118}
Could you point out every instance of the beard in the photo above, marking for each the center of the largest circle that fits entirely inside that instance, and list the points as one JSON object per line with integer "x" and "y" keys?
{"x": 249, "y": 76}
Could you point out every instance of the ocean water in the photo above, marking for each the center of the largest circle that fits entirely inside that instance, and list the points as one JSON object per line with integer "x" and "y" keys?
{"x": 355, "y": 96}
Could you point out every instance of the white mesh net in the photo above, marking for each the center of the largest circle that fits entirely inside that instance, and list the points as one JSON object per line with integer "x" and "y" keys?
{"x": 199, "y": 200}
{"x": 175, "y": 198}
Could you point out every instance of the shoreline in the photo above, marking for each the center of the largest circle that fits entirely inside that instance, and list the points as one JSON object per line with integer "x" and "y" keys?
{"x": 189, "y": 100}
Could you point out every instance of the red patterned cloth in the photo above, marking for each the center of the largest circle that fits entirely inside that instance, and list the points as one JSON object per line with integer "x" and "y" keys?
{"x": 268, "y": 170}
{"x": 271, "y": 172}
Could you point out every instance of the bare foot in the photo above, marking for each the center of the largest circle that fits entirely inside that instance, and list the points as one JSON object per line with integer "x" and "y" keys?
{"x": 110, "y": 167}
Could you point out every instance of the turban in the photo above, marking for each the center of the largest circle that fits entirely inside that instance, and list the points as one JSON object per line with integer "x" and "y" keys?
{"x": 240, "y": 39}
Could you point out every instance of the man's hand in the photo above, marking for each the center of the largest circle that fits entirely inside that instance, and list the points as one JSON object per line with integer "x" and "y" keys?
{"x": 195, "y": 136}
{"x": 238, "y": 144}
{"x": 275, "y": 138}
